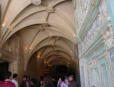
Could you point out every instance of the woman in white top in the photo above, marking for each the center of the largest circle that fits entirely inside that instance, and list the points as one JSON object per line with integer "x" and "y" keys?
{"x": 14, "y": 80}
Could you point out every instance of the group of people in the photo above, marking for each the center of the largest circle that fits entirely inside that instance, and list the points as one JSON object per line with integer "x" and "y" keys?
{"x": 28, "y": 82}
{"x": 45, "y": 81}
{"x": 8, "y": 81}
{"x": 67, "y": 82}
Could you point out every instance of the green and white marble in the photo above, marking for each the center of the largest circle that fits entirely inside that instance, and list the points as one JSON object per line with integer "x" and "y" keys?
{"x": 94, "y": 20}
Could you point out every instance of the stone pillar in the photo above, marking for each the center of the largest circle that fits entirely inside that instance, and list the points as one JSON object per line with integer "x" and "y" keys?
{"x": 13, "y": 66}
{"x": 82, "y": 72}
{"x": 109, "y": 43}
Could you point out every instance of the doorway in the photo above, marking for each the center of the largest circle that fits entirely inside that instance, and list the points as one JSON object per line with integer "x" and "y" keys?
{"x": 3, "y": 68}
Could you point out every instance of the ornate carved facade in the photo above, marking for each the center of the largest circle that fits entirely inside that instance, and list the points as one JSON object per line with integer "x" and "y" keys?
{"x": 95, "y": 37}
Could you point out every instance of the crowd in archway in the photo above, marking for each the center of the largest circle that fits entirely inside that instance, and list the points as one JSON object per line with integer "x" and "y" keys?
{"x": 46, "y": 81}
{"x": 67, "y": 82}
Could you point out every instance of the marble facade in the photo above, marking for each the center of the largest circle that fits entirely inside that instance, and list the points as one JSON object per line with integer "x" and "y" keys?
{"x": 95, "y": 37}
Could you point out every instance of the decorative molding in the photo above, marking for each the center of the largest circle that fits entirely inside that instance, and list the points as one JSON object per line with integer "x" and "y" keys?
{"x": 93, "y": 46}
{"x": 99, "y": 36}
{"x": 101, "y": 31}
{"x": 89, "y": 19}
{"x": 36, "y": 2}
{"x": 50, "y": 10}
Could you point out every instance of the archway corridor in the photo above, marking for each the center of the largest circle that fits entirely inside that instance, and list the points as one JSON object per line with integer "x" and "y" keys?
{"x": 58, "y": 37}
{"x": 52, "y": 64}
{"x": 39, "y": 35}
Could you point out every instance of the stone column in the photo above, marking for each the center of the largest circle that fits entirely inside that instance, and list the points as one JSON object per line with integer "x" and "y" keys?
{"x": 108, "y": 36}
{"x": 83, "y": 72}
{"x": 13, "y": 66}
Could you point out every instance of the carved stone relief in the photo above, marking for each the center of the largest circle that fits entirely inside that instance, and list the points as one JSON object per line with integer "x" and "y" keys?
{"x": 103, "y": 9}
{"x": 104, "y": 75}
{"x": 95, "y": 28}
{"x": 36, "y": 2}
{"x": 84, "y": 4}
{"x": 108, "y": 37}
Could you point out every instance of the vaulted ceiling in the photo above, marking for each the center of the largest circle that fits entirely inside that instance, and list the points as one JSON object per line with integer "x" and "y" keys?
{"x": 45, "y": 27}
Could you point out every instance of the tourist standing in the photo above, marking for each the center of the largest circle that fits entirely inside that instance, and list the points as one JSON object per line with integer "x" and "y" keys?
{"x": 72, "y": 82}
{"x": 14, "y": 80}
{"x": 59, "y": 82}
{"x": 66, "y": 82}
{"x": 24, "y": 82}
{"x": 35, "y": 83}
{"x": 62, "y": 83}
{"x": 7, "y": 82}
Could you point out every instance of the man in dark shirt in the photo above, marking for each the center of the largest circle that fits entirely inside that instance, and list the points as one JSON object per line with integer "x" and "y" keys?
{"x": 6, "y": 82}
{"x": 72, "y": 82}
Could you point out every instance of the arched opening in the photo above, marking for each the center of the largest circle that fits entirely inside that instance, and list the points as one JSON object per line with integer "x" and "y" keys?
{"x": 57, "y": 66}
{"x": 53, "y": 65}
{"x": 43, "y": 39}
